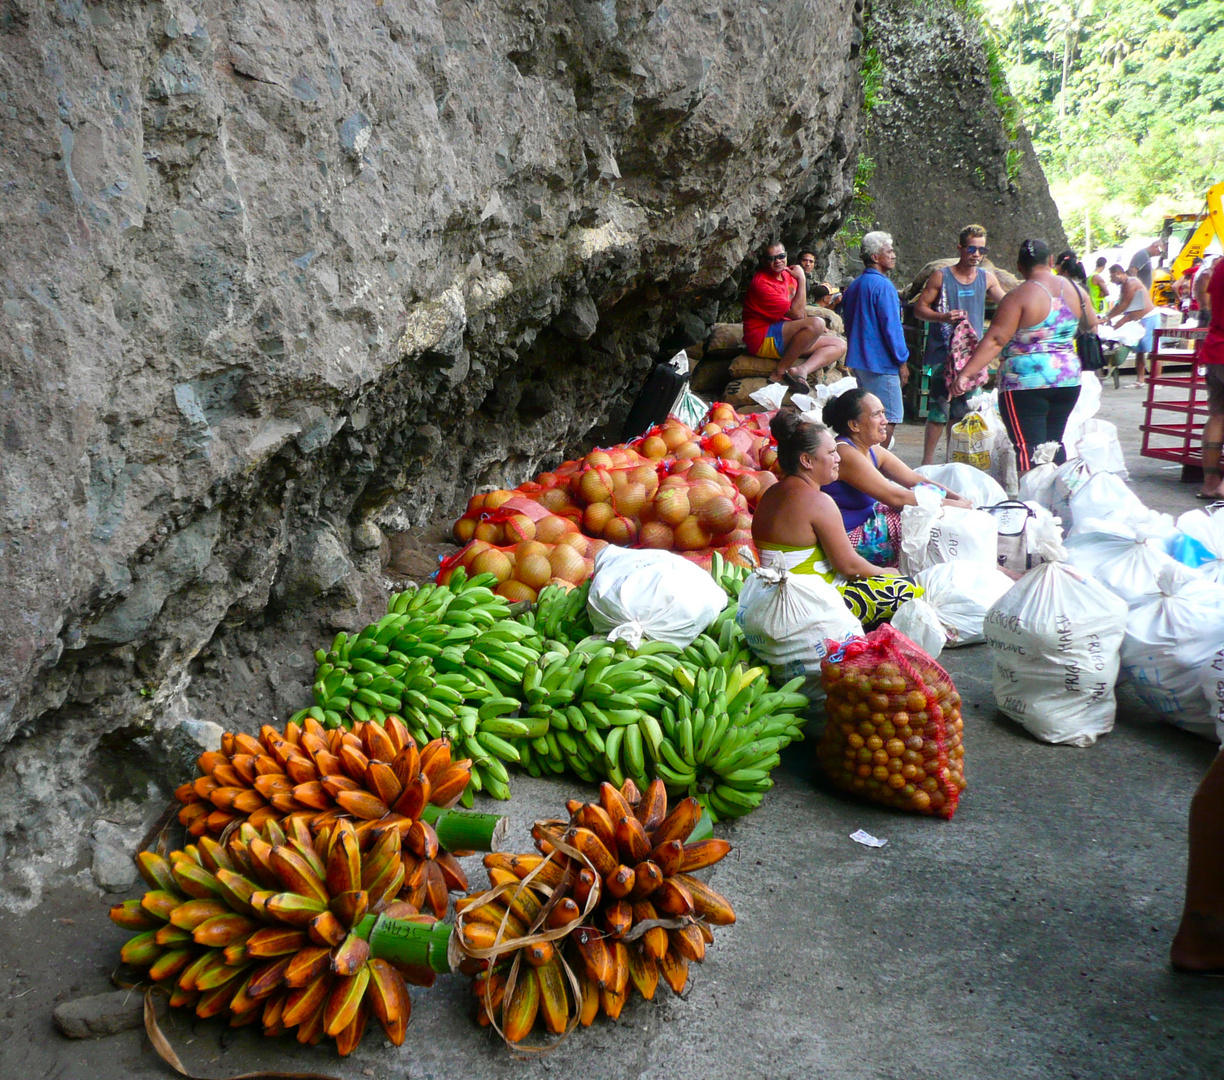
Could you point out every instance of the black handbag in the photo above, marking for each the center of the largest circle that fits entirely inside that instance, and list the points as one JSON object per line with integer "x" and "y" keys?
{"x": 1087, "y": 344}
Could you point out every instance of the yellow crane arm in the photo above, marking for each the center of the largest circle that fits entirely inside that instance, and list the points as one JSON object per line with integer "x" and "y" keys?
{"x": 1210, "y": 227}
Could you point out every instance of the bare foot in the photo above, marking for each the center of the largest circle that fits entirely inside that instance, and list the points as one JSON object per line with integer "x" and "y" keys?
{"x": 1198, "y": 946}
{"x": 1211, "y": 492}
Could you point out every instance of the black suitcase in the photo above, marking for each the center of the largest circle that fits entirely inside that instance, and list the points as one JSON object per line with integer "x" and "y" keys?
{"x": 663, "y": 388}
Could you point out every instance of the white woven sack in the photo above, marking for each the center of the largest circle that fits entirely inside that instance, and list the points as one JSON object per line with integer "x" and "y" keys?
{"x": 787, "y": 619}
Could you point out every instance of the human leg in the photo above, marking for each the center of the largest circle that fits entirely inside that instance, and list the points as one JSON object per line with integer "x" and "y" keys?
{"x": 1213, "y": 433}
{"x": 826, "y": 350}
{"x": 937, "y": 414}
{"x": 1024, "y": 415}
{"x": 1199, "y": 943}
{"x": 1061, "y": 402}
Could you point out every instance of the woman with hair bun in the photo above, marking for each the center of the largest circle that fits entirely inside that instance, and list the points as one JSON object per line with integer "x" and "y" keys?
{"x": 797, "y": 527}
{"x": 874, "y": 483}
{"x": 1039, "y": 378}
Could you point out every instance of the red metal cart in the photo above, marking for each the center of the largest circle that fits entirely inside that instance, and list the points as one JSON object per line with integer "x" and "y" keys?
{"x": 1176, "y": 406}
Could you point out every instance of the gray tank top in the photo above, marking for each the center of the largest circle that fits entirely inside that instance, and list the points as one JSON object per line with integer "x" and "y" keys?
{"x": 969, "y": 298}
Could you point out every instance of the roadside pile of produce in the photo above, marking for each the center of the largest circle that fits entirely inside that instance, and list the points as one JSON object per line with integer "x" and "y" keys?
{"x": 673, "y": 489}
{"x": 538, "y": 689}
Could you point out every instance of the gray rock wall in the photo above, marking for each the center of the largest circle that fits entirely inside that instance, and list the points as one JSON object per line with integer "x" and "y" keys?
{"x": 273, "y": 269}
{"x": 939, "y": 145}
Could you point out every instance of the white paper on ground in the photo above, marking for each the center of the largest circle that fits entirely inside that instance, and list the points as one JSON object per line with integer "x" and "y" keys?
{"x": 866, "y": 839}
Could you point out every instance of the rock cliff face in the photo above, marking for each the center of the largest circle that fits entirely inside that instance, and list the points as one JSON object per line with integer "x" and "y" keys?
{"x": 941, "y": 152}
{"x": 274, "y": 270}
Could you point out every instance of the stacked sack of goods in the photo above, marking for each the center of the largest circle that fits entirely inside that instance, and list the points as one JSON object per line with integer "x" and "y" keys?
{"x": 673, "y": 489}
{"x": 1127, "y": 596}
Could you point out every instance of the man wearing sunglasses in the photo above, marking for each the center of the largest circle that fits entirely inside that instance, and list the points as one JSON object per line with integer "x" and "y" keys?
{"x": 778, "y": 327}
{"x": 957, "y": 293}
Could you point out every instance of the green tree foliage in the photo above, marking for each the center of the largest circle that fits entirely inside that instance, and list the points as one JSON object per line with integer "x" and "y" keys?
{"x": 1124, "y": 100}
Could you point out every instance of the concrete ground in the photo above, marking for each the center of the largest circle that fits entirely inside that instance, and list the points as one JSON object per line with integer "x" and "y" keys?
{"x": 1027, "y": 938}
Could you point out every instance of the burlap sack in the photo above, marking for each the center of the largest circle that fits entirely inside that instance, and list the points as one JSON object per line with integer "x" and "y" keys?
{"x": 738, "y": 391}
{"x": 828, "y": 375}
{"x": 749, "y": 366}
{"x": 725, "y": 336}
{"x": 832, "y": 320}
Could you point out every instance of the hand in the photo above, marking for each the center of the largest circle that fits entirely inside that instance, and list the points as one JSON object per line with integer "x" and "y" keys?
{"x": 961, "y": 386}
{"x": 952, "y": 499}
{"x": 957, "y": 316}
{"x": 903, "y": 373}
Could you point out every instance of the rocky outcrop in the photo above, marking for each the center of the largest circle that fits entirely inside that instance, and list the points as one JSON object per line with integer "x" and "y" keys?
{"x": 942, "y": 154}
{"x": 275, "y": 271}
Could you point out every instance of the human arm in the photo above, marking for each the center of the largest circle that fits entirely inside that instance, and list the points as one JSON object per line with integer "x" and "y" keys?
{"x": 896, "y": 470}
{"x": 924, "y": 306}
{"x": 798, "y": 308}
{"x": 886, "y": 310}
{"x": 831, "y": 534}
{"x": 1002, "y": 329}
{"x": 1129, "y": 291}
{"x": 858, "y": 471}
{"x": 994, "y": 290}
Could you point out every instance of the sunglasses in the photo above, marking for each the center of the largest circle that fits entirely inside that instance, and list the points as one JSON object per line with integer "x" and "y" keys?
{"x": 974, "y": 249}
{"x": 778, "y": 258}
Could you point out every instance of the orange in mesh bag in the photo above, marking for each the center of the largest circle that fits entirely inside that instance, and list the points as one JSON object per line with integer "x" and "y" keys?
{"x": 894, "y": 724}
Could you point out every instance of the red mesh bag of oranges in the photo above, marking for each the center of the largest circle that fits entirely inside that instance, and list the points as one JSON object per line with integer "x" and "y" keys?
{"x": 893, "y": 729}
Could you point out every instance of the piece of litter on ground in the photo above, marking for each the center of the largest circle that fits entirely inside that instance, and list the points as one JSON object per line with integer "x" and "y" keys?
{"x": 866, "y": 839}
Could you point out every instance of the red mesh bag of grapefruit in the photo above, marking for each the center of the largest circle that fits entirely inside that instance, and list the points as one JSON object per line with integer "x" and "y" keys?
{"x": 523, "y": 569}
{"x": 893, "y": 727}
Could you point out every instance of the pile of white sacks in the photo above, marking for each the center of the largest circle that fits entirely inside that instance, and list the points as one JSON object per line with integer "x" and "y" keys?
{"x": 1111, "y": 591}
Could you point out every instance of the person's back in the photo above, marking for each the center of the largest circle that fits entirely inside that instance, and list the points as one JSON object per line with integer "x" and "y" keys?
{"x": 1041, "y": 353}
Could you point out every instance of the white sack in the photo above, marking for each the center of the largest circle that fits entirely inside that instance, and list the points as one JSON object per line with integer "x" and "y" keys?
{"x": 1069, "y": 478}
{"x": 978, "y": 487}
{"x": 1125, "y": 560}
{"x": 641, "y": 594}
{"x": 1054, "y": 638}
{"x": 1208, "y": 529}
{"x": 918, "y": 621}
{"x": 1105, "y": 497}
{"x": 1169, "y": 642}
{"x": 931, "y": 533}
{"x": 787, "y": 618}
{"x": 1098, "y": 445}
{"x": 1211, "y": 682}
{"x": 1037, "y": 485}
{"x": 1086, "y": 407}
{"x": 960, "y": 594}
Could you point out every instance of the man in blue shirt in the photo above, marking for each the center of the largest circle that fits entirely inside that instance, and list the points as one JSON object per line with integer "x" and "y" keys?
{"x": 876, "y": 352}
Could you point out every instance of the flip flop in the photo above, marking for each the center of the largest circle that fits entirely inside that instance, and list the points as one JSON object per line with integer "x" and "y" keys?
{"x": 1208, "y": 498}
{"x": 796, "y": 384}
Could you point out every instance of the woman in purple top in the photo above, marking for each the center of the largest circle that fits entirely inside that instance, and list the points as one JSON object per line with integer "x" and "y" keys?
{"x": 874, "y": 484}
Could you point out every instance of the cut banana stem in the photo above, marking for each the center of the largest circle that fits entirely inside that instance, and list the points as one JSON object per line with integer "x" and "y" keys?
{"x": 404, "y": 942}
{"x": 466, "y": 830}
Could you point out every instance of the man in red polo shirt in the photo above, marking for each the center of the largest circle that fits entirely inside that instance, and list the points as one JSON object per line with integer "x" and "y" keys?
{"x": 1212, "y": 359}
{"x": 778, "y": 327}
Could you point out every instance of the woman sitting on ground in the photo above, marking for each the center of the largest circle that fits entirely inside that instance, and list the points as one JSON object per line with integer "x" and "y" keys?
{"x": 797, "y": 527}
{"x": 875, "y": 484}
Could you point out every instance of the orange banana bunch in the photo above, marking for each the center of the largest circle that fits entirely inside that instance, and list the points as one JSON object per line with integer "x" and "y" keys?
{"x": 518, "y": 922}
{"x": 272, "y": 927}
{"x": 651, "y": 917}
{"x": 373, "y": 774}
{"x": 640, "y": 851}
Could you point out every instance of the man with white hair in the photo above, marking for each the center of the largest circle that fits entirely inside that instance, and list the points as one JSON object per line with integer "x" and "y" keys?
{"x": 876, "y": 352}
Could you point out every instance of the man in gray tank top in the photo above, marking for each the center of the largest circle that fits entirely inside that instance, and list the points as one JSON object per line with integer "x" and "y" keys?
{"x": 954, "y": 294}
